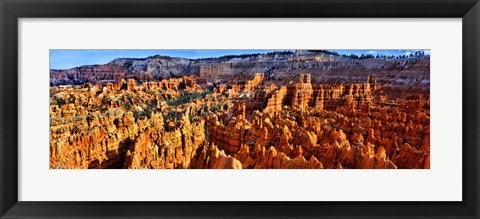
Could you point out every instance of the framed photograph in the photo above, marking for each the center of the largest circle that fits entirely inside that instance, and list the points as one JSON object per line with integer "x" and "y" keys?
{"x": 174, "y": 109}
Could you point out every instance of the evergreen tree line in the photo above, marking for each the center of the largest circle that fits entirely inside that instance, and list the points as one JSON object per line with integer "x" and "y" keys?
{"x": 370, "y": 56}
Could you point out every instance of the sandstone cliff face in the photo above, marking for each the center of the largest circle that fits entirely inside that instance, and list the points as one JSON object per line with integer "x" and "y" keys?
{"x": 214, "y": 158}
{"x": 259, "y": 122}
{"x": 323, "y": 68}
{"x": 108, "y": 72}
{"x": 120, "y": 128}
{"x": 158, "y": 149}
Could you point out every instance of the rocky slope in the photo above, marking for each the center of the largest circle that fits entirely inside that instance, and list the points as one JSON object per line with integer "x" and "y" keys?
{"x": 260, "y": 122}
{"x": 280, "y": 66}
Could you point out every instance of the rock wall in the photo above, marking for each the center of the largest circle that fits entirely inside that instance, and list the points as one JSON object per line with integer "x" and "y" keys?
{"x": 324, "y": 68}
{"x": 257, "y": 123}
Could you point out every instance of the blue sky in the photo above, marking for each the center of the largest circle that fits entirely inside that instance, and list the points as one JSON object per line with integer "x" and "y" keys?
{"x": 65, "y": 59}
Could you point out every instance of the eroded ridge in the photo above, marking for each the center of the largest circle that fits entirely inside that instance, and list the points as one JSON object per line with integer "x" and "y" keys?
{"x": 302, "y": 109}
{"x": 257, "y": 122}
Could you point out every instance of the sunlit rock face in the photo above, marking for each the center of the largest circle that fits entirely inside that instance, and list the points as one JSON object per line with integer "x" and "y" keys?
{"x": 281, "y": 66}
{"x": 312, "y": 111}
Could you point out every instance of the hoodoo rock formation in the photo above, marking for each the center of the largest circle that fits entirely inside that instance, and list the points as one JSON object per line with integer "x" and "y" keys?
{"x": 280, "y": 110}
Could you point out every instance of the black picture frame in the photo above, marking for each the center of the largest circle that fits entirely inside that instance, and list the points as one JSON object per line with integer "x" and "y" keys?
{"x": 11, "y": 10}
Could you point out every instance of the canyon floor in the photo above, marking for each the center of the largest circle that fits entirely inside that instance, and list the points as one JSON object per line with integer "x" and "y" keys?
{"x": 244, "y": 122}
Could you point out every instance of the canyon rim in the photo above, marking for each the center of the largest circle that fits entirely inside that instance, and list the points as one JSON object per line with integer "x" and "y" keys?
{"x": 239, "y": 109}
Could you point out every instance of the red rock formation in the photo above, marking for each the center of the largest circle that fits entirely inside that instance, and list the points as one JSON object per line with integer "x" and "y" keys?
{"x": 262, "y": 123}
{"x": 252, "y": 84}
{"x": 408, "y": 158}
{"x": 301, "y": 93}
{"x": 131, "y": 85}
{"x": 108, "y": 72}
{"x": 275, "y": 102}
